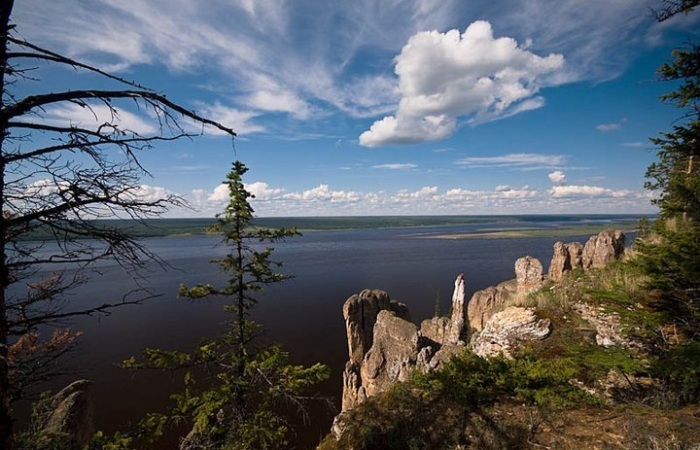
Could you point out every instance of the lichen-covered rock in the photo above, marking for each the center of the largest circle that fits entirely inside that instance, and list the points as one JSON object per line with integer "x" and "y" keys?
{"x": 607, "y": 246}
{"x": 608, "y": 327}
{"x": 393, "y": 354}
{"x": 565, "y": 258}
{"x": 487, "y": 302}
{"x": 508, "y": 328}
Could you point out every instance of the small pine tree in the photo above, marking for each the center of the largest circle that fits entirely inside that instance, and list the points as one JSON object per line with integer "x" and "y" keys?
{"x": 236, "y": 392}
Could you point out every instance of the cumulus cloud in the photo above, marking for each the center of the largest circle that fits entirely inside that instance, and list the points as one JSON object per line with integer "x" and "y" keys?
{"x": 445, "y": 76}
{"x": 323, "y": 199}
{"x": 557, "y": 177}
{"x": 262, "y": 190}
{"x": 396, "y": 166}
{"x": 586, "y": 191}
{"x": 523, "y": 161}
{"x": 220, "y": 194}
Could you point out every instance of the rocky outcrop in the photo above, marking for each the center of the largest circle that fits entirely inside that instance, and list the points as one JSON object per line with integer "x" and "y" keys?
{"x": 384, "y": 346}
{"x": 566, "y": 258}
{"x": 68, "y": 422}
{"x": 444, "y": 331}
{"x": 528, "y": 274}
{"x": 601, "y": 249}
{"x": 607, "y": 326}
{"x": 607, "y": 246}
{"x": 392, "y": 356}
{"x": 489, "y": 301}
{"x": 507, "y": 329}
{"x": 459, "y": 317}
{"x": 360, "y": 312}
{"x": 485, "y": 303}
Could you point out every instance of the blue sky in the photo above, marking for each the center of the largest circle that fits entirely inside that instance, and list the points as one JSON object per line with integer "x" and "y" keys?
{"x": 387, "y": 106}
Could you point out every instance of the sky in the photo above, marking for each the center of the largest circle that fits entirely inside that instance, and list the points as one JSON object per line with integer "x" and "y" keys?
{"x": 386, "y": 107}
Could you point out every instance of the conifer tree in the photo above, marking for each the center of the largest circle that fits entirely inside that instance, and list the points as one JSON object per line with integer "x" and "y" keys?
{"x": 670, "y": 256}
{"x": 236, "y": 391}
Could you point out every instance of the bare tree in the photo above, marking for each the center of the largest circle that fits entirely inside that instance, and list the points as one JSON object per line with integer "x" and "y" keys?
{"x": 56, "y": 180}
{"x": 670, "y": 8}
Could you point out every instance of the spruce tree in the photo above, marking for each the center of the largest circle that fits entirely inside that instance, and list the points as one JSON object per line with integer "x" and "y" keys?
{"x": 670, "y": 256}
{"x": 236, "y": 391}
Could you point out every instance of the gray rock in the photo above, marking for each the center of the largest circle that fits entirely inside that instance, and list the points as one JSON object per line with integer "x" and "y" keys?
{"x": 458, "y": 319}
{"x": 528, "y": 274}
{"x": 607, "y": 246}
{"x": 392, "y": 356}
{"x": 435, "y": 329}
{"x": 565, "y": 258}
{"x": 71, "y": 416}
{"x": 360, "y": 312}
{"x": 487, "y": 302}
{"x": 507, "y": 329}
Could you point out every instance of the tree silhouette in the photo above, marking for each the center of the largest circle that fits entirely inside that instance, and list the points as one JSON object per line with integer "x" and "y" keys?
{"x": 56, "y": 179}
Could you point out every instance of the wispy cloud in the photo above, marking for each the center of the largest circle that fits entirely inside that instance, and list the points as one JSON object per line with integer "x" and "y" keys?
{"x": 608, "y": 127}
{"x": 614, "y": 126}
{"x": 396, "y": 166}
{"x": 637, "y": 144}
{"x": 521, "y": 161}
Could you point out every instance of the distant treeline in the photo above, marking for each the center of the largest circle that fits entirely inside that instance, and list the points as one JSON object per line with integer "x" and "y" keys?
{"x": 198, "y": 226}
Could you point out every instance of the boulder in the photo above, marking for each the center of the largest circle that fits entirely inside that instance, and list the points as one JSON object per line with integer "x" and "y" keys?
{"x": 487, "y": 302}
{"x": 528, "y": 274}
{"x": 607, "y": 246}
{"x": 508, "y": 328}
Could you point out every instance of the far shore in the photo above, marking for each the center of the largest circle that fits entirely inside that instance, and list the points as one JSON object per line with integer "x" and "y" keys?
{"x": 532, "y": 233}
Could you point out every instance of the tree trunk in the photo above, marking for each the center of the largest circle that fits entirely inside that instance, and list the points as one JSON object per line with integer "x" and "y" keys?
{"x": 5, "y": 417}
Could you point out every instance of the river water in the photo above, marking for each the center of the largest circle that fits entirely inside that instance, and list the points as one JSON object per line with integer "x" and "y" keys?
{"x": 304, "y": 314}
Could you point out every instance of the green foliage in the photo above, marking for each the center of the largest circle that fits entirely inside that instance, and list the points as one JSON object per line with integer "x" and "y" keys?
{"x": 669, "y": 256}
{"x": 680, "y": 368}
{"x": 236, "y": 394}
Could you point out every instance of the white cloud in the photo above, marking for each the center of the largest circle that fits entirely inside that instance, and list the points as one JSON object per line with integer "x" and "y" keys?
{"x": 220, "y": 194}
{"x": 586, "y": 191}
{"x": 93, "y": 116}
{"x": 262, "y": 190}
{"x": 557, "y": 177}
{"x": 238, "y": 120}
{"x": 396, "y": 166}
{"x": 503, "y": 199}
{"x": 636, "y": 144}
{"x": 444, "y": 76}
{"x": 279, "y": 101}
{"x": 608, "y": 127}
{"x": 522, "y": 161}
